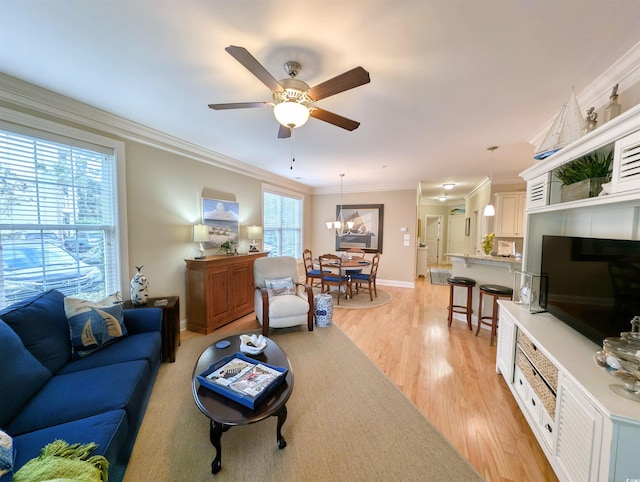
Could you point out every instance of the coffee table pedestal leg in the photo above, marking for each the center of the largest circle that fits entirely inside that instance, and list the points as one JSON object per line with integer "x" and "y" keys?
{"x": 282, "y": 417}
{"x": 215, "y": 435}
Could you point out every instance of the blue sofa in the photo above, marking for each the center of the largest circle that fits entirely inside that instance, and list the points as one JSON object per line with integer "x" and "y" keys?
{"x": 47, "y": 394}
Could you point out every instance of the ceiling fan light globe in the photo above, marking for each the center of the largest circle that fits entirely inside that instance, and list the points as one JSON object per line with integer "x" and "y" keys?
{"x": 291, "y": 114}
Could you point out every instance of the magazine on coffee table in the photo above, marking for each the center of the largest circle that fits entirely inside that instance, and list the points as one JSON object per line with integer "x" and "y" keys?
{"x": 243, "y": 379}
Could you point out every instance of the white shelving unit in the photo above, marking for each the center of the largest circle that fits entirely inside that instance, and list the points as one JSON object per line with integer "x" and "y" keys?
{"x": 589, "y": 433}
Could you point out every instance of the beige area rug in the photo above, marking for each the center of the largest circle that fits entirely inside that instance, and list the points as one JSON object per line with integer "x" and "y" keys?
{"x": 360, "y": 300}
{"x": 346, "y": 422}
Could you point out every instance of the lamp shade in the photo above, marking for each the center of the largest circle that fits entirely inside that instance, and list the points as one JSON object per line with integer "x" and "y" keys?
{"x": 254, "y": 232}
{"x": 489, "y": 210}
{"x": 200, "y": 233}
{"x": 291, "y": 114}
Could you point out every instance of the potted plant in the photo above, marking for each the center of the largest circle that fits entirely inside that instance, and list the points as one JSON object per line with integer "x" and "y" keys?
{"x": 583, "y": 177}
{"x": 229, "y": 247}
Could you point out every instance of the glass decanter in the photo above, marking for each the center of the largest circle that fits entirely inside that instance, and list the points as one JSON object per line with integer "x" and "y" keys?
{"x": 623, "y": 355}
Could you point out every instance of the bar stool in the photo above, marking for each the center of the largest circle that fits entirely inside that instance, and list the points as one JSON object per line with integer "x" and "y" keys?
{"x": 496, "y": 292}
{"x": 462, "y": 282}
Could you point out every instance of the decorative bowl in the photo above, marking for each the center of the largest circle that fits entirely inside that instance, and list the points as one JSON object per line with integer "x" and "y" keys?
{"x": 252, "y": 344}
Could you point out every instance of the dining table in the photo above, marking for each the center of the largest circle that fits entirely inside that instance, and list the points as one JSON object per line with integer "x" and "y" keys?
{"x": 346, "y": 265}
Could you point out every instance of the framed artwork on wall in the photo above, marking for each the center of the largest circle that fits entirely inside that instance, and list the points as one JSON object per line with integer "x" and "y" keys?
{"x": 366, "y": 232}
{"x": 221, "y": 219}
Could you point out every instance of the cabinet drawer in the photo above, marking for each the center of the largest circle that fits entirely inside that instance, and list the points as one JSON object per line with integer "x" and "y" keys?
{"x": 537, "y": 384}
{"x": 547, "y": 369}
{"x": 520, "y": 383}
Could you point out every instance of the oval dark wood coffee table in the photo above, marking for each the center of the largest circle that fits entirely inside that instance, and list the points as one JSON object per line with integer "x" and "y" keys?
{"x": 225, "y": 413}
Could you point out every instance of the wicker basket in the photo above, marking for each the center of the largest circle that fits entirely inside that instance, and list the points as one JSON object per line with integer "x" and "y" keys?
{"x": 547, "y": 369}
{"x": 544, "y": 393}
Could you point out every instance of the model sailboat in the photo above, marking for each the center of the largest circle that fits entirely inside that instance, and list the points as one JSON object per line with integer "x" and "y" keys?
{"x": 566, "y": 128}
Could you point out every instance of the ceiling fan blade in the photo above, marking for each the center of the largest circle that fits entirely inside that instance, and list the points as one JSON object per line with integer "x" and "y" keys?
{"x": 335, "y": 119}
{"x": 250, "y": 63}
{"x": 284, "y": 132}
{"x": 348, "y": 80}
{"x": 239, "y": 105}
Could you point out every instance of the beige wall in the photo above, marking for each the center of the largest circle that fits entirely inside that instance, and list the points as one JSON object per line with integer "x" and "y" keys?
{"x": 164, "y": 200}
{"x": 397, "y": 263}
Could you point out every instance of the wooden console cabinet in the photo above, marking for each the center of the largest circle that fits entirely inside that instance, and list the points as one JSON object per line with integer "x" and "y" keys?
{"x": 219, "y": 290}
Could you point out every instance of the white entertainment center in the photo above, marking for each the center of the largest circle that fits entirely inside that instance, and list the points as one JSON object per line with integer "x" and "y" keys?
{"x": 587, "y": 432}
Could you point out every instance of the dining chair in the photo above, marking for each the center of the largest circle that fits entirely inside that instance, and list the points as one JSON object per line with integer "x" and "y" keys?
{"x": 311, "y": 274}
{"x": 370, "y": 278}
{"x": 329, "y": 279}
{"x": 355, "y": 253}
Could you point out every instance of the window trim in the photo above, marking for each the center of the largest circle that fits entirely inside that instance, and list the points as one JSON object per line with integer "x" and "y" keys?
{"x": 27, "y": 124}
{"x": 270, "y": 188}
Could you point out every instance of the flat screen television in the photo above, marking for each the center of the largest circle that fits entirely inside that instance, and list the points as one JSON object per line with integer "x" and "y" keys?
{"x": 593, "y": 285}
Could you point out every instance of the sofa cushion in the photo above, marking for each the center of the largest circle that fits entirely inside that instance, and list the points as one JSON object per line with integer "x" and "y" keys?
{"x": 143, "y": 346}
{"x": 109, "y": 430}
{"x": 41, "y": 324}
{"x": 89, "y": 392}
{"x": 94, "y": 325}
{"x": 21, "y": 375}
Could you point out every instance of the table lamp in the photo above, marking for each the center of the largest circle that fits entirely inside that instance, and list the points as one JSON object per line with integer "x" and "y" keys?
{"x": 200, "y": 235}
{"x": 254, "y": 232}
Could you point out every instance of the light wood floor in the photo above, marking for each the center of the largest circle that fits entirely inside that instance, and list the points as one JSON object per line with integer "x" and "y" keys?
{"x": 448, "y": 373}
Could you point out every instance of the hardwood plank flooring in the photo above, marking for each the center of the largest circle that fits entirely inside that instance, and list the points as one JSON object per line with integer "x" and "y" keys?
{"x": 448, "y": 373}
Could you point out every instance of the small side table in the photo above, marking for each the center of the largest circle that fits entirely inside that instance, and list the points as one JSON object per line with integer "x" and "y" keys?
{"x": 170, "y": 323}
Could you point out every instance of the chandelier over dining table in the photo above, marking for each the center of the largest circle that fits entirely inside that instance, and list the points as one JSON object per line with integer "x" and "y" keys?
{"x": 339, "y": 224}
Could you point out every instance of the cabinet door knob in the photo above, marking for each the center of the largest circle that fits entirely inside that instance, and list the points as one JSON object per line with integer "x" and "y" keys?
{"x": 533, "y": 402}
{"x": 548, "y": 427}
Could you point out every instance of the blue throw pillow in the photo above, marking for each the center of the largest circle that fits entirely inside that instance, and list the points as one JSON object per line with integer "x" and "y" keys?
{"x": 21, "y": 374}
{"x": 94, "y": 325}
{"x": 41, "y": 324}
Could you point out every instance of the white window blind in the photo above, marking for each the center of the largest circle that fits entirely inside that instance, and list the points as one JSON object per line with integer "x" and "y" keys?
{"x": 282, "y": 223}
{"x": 57, "y": 216}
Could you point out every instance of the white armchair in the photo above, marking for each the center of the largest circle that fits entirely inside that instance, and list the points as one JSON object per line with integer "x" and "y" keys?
{"x": 280, "y": 301}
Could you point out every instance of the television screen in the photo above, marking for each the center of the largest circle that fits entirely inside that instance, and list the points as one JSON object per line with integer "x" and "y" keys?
{"x": 593, "y": 285}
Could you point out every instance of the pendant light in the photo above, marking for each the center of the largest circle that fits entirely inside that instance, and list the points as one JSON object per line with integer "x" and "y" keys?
{"x": 489, "y": 210}
{"x": 339, "y": 223}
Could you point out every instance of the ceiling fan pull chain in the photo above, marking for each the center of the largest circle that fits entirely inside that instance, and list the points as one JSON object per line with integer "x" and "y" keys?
{"x": 293, "y": 148}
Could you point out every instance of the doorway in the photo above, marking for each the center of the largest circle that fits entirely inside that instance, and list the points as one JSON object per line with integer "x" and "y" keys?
{"x": 432, "y": 237}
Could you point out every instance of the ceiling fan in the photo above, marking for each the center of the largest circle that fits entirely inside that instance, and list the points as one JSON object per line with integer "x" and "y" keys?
{"x": 293, "y": 98}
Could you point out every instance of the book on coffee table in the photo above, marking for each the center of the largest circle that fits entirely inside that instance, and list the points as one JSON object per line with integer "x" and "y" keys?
{"x": 242, "y": 379}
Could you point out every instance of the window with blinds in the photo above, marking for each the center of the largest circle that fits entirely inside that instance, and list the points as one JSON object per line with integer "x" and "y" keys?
{"x": 282, "y": 223}
{"x": 58, "y": 205}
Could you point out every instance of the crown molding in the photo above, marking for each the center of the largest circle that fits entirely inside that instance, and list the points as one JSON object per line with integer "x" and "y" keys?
{"x": 19, "y": 93}
{"x": 625, "y": 72}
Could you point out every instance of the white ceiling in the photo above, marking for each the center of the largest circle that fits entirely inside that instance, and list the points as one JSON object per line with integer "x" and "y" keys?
{"x": 448, "y": 77}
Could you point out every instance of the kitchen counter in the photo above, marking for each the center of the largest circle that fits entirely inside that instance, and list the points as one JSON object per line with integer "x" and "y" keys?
{"x": 508, "y": 262}
{"x": 497, "y": 270}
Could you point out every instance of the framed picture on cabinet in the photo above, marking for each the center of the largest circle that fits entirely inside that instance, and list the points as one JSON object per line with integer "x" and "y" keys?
{"x": 366, "y": 230}
{"x": 221, "y": 219}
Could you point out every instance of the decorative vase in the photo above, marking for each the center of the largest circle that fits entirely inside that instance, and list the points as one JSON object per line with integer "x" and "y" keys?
{"x": 139, "y": 288}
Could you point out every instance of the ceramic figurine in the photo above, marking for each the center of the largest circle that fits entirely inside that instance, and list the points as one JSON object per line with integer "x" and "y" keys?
{"x": 139, "y": 288}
